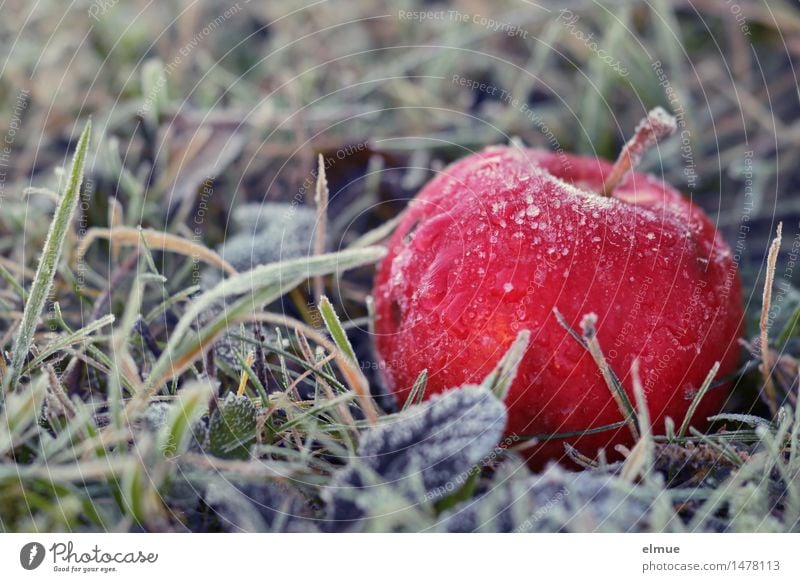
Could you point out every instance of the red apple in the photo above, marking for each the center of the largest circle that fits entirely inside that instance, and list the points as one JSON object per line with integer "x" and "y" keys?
{"x": 501, "y": 238}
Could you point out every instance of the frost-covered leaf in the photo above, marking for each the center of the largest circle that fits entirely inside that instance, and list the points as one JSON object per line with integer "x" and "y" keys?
{"x": 751, "y": 419}
{"x": 263, "y": 507}
{"x": 232, "y": 429}
{"x": 553, "y": 501}
{"x": 335, "y": 328}
{"x": 425, "y": 452}
{"x": 263, "y": 234}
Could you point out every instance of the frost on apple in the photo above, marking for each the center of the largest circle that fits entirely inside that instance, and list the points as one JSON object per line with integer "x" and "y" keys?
{"x": 420, "y": 455}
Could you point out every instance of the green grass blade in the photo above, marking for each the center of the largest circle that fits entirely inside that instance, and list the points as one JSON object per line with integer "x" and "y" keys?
{"x": 70, "y": 339}
{"x": 45, "y": 272}
{"x": 697, "y": 398}
{"x": 417, "y": 390}
{"x": 20, "y": 414}
{"x": 588, "y": 339}
{"x": 257, "y": 287}
{"x": 501, "y": 378}
{"x": 335, "y": 328}
{"x": 191, "y": 404}
{"x": 18, "y": 289}
{"x": 268, "y": 282}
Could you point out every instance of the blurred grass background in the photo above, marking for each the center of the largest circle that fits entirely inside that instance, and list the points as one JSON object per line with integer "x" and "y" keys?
{"x": 254, "y": 90}
{"x": 244, "y": 95}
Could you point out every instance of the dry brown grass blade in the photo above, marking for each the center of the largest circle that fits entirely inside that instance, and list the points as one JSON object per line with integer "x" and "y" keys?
{"x": 245, "y": 376}
{"x": 640, "y": 458}
{"x": 766, "y": 358}
{"x": 321, "y": 196}
{"x": 163, "y": 241}
{"x": 56, "y": 391}
{"x": 115, "y": 221}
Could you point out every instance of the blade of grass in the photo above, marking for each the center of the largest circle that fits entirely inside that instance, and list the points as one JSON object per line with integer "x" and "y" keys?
{"x": 170, "y": 301}
{"x": 640, "y": 461}
{"x": 191, "y": 403}
{"x": 577, "y": 433}
{"x": 259, "y": 286}
{"x": 21, "y": 413}
{"x": 18, "y": 289}
{"x": 286, "y": 380}
{"x": 589, "y": 341}
{"x": 697, "y": 398}
{"x": 68, "y": 340}
{"x": 766, "y": 359}
{"x": 321, "y": 196}
{"x": 48, "y": 263}
{"x": 500, "y": 379}
{"x": 163, "y": 241}
{"x": 749, "y": 419}
{"x": 246, "y": 363}
{"x": 417, "y": 390}
{"x": 266, "y": 283}
{"x": 335, "y": 328}
{"x": 790, "y": 329}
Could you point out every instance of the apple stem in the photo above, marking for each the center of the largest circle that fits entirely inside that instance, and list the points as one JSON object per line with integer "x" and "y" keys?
{"x": 656, "y": 126}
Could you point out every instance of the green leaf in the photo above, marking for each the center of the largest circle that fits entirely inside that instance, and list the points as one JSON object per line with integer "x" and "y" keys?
{"x": 48, "y": 262}
{"x": 232, "y": 430}
{"x": 139, "y": 494}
